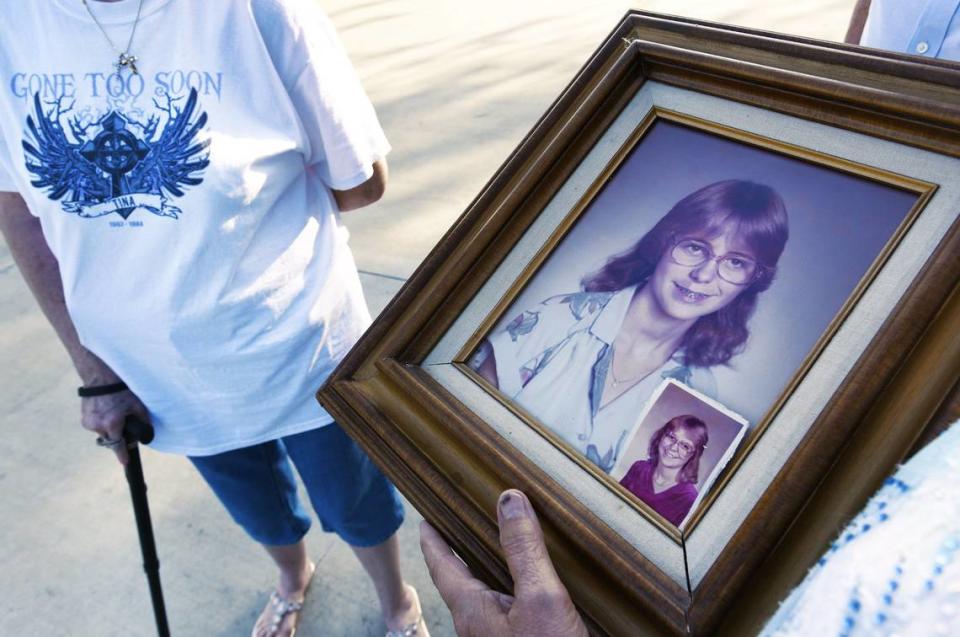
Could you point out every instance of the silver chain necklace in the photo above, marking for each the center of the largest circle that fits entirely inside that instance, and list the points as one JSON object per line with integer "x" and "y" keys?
{"x": 124, "y": 58}
{"x": 613, "y": 376}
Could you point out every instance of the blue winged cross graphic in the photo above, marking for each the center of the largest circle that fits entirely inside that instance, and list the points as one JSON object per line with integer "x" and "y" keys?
{"x": 106, "y": 167}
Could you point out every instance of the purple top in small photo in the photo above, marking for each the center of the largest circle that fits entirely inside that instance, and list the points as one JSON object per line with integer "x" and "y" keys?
{"x": 673, "y": 503}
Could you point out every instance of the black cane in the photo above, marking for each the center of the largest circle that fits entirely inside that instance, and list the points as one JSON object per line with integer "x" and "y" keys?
{"x": 137, "y": 431}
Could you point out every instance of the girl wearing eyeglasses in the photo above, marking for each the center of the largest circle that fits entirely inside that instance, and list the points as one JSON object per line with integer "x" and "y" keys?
{"x": 667, "y": 479}
{"x": 672, "y": 306}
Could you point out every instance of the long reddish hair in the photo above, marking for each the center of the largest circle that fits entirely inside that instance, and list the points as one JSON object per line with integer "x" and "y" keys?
{"x": 760, "y": 219}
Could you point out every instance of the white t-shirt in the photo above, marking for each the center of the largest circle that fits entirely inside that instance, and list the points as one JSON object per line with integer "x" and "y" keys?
{"x": 189, "y": 205}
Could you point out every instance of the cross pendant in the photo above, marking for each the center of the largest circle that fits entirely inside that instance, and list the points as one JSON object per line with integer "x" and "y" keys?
{"x": 129, "y": 61}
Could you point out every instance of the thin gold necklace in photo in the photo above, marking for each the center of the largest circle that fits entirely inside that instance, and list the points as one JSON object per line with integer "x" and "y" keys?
{"x": 616, "y": 382}
{"x": 124, "y": 58}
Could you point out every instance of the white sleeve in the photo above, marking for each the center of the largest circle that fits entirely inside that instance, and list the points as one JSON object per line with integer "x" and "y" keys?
{"x": 344, "y": 135}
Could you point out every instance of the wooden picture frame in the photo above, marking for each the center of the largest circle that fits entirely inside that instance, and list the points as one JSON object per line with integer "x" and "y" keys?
{"x": 866, "y": 389}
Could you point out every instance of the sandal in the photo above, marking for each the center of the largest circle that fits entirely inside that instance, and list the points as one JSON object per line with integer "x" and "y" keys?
{"x": 280, "y": 607}
{"x": 416, "y": 628}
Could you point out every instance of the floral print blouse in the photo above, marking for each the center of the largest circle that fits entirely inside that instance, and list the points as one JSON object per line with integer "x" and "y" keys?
{"x": 553, "y": 361}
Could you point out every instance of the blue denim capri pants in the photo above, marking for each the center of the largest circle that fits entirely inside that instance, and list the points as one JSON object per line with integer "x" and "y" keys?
{"x": 350, "y": 495}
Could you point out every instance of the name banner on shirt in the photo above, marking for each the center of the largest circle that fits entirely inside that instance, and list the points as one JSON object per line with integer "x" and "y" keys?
{"x": 156, "y": 204}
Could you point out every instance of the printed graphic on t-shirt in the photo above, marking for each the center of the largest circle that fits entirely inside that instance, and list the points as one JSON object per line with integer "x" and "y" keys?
{"x": 117, "y": 163}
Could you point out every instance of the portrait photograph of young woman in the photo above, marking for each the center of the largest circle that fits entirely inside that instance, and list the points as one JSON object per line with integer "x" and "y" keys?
{"x": 677, "y": 450}
{"x": 703, "y": 259}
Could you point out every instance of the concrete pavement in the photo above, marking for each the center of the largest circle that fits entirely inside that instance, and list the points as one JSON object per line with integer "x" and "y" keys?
{"x": 457, "y": 85}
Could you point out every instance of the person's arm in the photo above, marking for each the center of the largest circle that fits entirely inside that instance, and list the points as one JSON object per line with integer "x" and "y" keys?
{"x": 540, "y": 605}
{"x": 345, "y": 144}
{"x": 857, "y": 21}
{"x": 366, "y": 193}
{"x": 102, "y": 414}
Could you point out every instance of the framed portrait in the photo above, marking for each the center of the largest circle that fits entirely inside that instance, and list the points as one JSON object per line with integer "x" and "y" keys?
{"x": 696, "y": 316}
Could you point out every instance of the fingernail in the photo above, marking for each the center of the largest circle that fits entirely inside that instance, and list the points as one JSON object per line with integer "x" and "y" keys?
{"x": 513, "y": 504}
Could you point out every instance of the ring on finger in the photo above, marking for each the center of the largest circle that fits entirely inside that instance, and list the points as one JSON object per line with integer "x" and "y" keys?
{"x": 108, "y": 443}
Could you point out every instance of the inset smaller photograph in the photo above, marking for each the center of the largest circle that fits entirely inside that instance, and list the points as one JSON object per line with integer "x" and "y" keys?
{"x": 680, "y": 444}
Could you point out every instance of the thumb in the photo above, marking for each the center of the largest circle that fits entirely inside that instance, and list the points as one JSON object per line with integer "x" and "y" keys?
{"x": 522, "y": 541}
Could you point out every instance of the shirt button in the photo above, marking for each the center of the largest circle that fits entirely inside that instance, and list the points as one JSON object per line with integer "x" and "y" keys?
{"x": 922, "y": 48}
